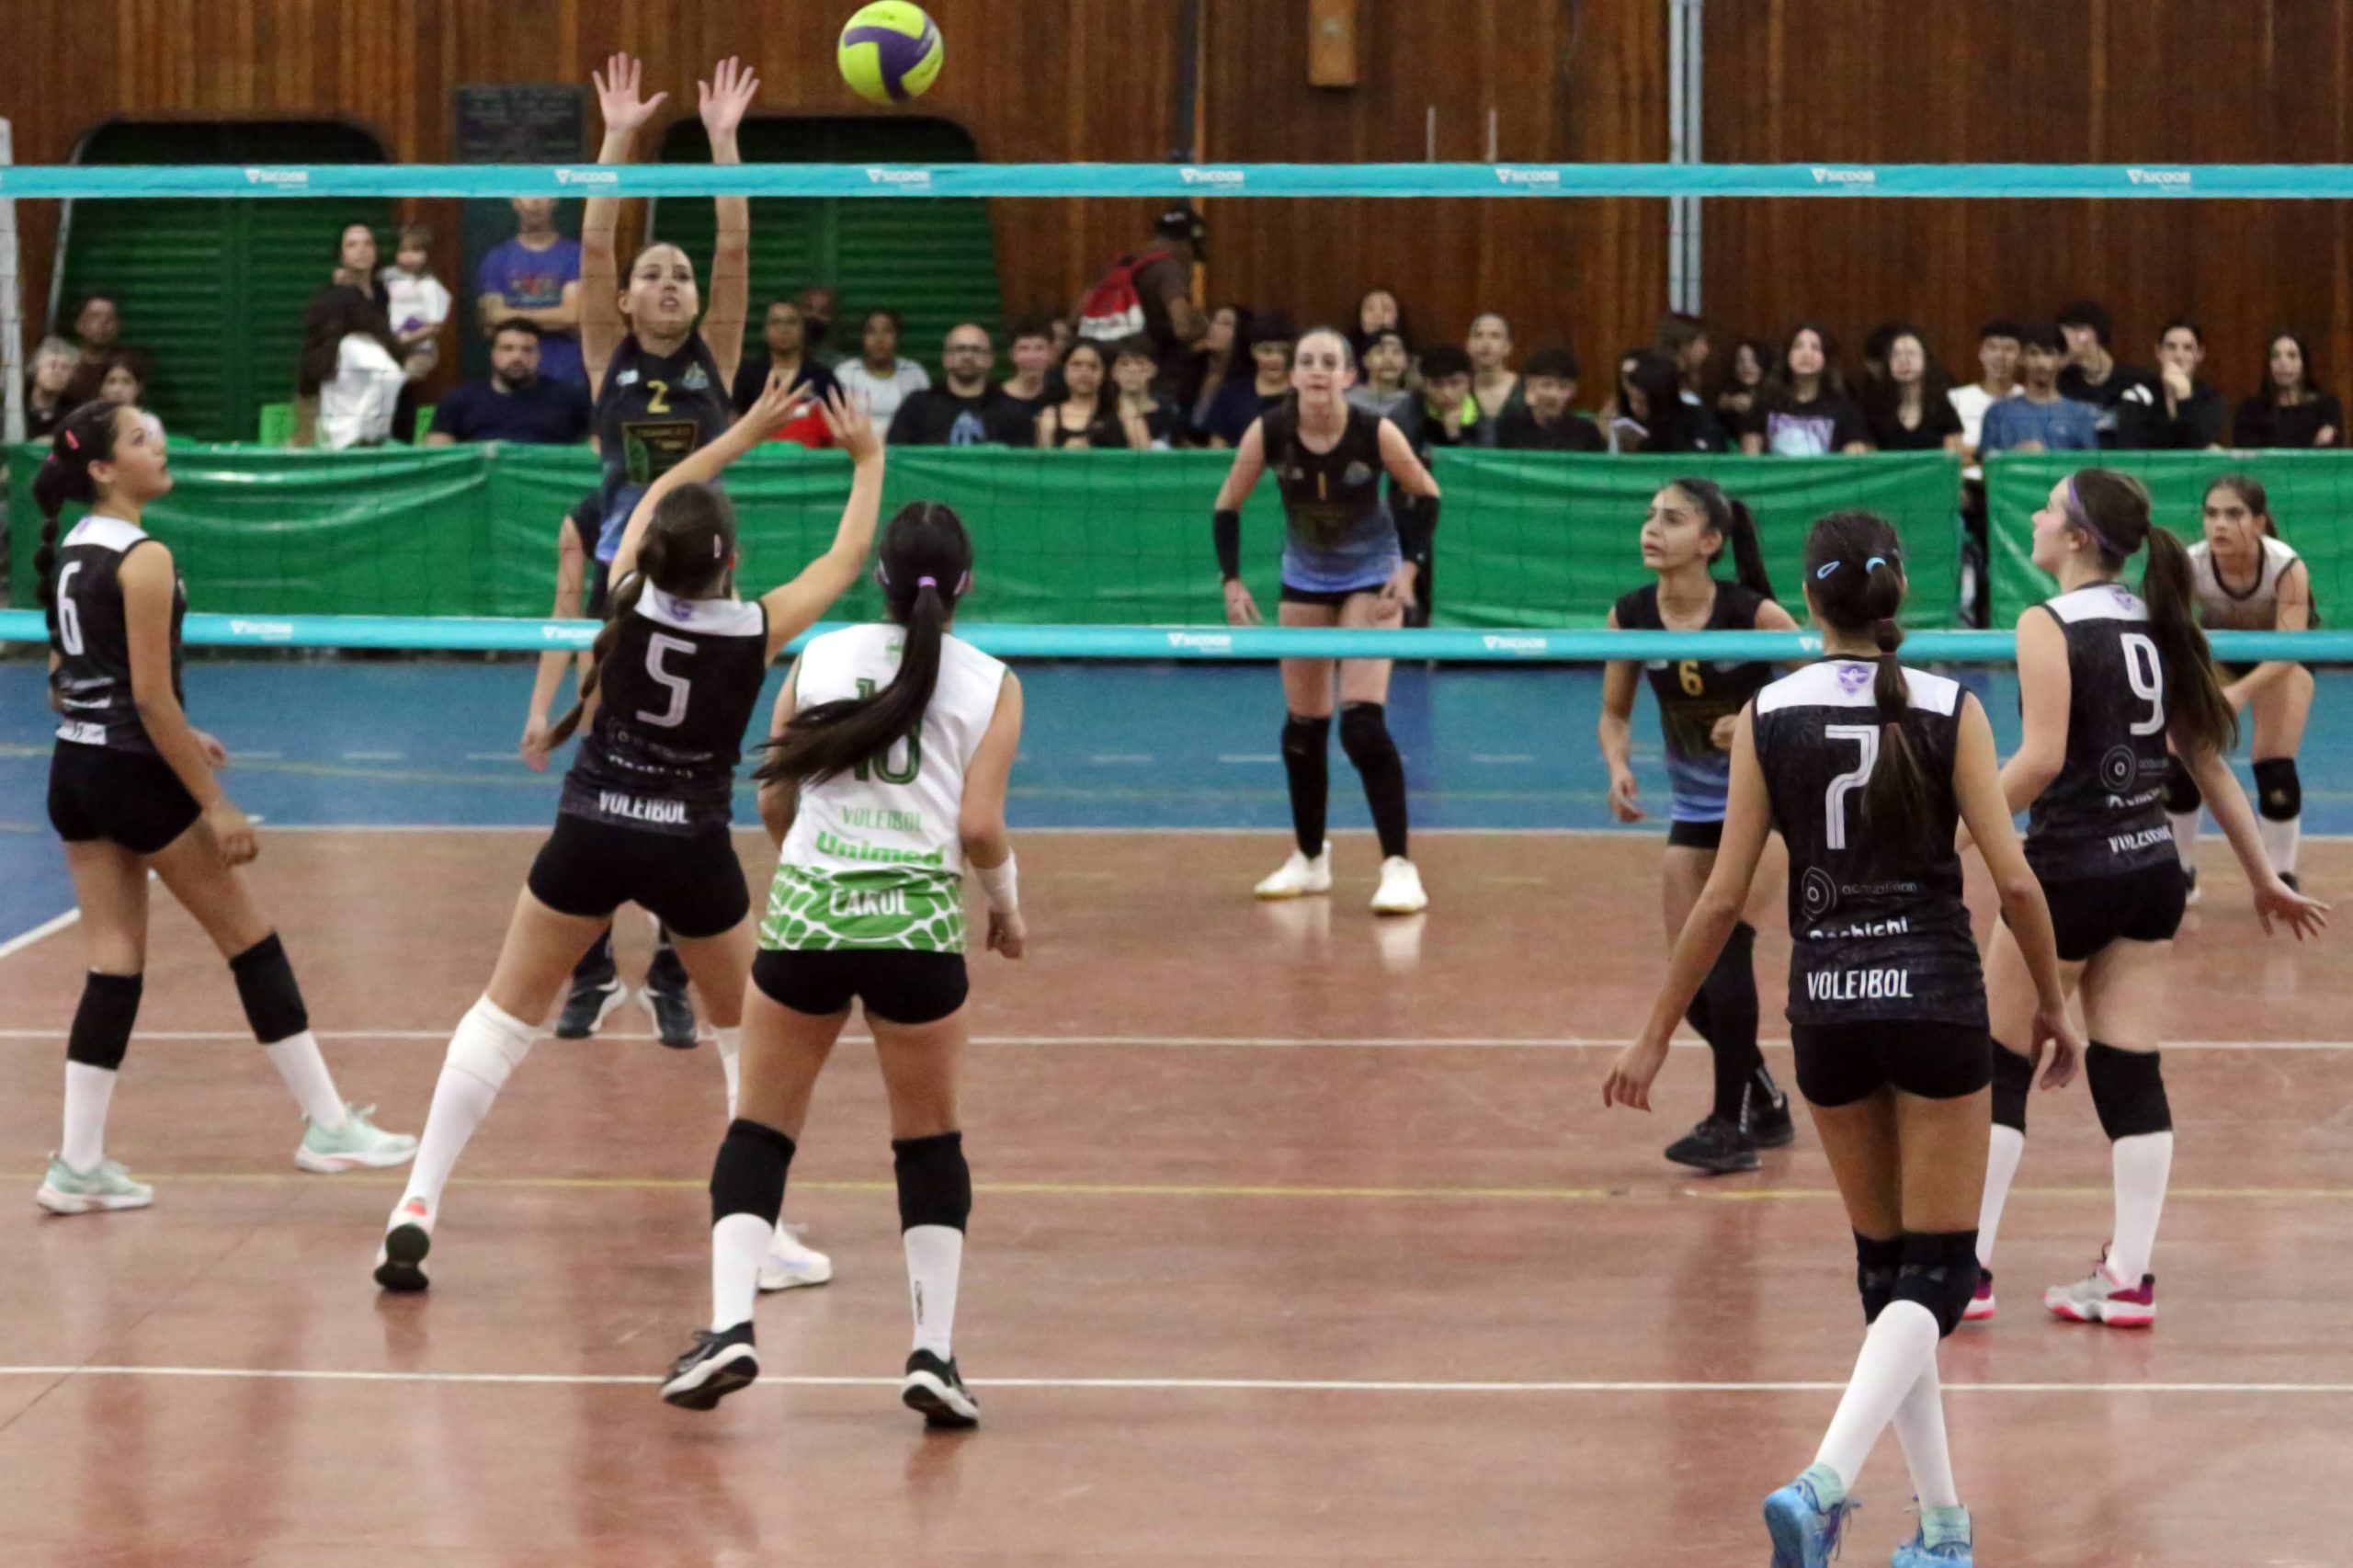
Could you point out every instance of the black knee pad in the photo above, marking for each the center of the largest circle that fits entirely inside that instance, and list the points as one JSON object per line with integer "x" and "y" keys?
{"x": 2013, "y": 1076}
{"x": 935, "y": 1184}
{"x": 1939, "y": 1273}
{"x": 1876, "y": 1263}
{"x": 102, "y": 1024}
{"x": 266, "y": 985}
{"x": 2128, "y": 1090}
{"x": 1306, "y": 739}
{"x": 2278, "y": 793}
{"x": 748, "y": 1176}
{"x": 1364, "y": 734}
{"x": 2182, "y": 794}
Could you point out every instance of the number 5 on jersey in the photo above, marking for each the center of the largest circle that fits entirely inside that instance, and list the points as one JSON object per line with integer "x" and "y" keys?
{"x": 870, "y": 771}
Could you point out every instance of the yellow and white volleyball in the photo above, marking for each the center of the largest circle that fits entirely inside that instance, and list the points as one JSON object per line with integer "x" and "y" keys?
{"x": 890, "y": 53}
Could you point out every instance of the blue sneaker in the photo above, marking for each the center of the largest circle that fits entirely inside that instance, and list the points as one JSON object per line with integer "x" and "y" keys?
{"x": 1943, "y": 1541}
{"x": 1805, "y": 1527}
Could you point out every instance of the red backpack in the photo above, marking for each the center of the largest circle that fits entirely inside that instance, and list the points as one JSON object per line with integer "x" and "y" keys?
{"x": 1113, "y": 308}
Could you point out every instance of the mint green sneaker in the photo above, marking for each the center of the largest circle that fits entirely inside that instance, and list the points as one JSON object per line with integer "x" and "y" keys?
{"x": 68, "y": 1191}
{"x": 357, "y": 1145}
{"x": 1943, "y": 1541}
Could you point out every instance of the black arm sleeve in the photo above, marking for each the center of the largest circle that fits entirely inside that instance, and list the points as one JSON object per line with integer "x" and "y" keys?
{"x": 1225, "y": 532}
{"x": 1416, "y": 518}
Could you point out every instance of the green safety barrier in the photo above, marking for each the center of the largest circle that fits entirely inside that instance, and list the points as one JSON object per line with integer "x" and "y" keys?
{"x": 1063, "y": 538}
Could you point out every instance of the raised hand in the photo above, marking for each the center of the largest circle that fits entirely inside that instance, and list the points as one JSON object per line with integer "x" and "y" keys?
{"x": 723, "y": 99}
{"x": 617, "y": 94}
{"x": 853, "y": 426}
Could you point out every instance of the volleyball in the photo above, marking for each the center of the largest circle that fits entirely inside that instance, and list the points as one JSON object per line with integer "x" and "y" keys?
{"x": 890, "y": 53}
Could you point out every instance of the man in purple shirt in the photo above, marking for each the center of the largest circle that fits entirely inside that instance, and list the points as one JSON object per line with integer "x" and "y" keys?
{"x": 536, "y": 277}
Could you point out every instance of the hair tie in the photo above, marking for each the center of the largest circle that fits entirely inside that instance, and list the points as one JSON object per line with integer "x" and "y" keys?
{"x": 1875, "y": 562}
{"x": 1826, "y": 568}
{"x": 71, "y": 440}
{"x": 922, "y": 582}
{"x": 718, "y": 547}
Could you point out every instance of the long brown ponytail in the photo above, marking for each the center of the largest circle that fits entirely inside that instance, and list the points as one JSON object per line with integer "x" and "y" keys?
{"x": 684, "y": 553}
{"x": 1730, "y": 518}
{"x": 1855, "y": 577}
{"x": 926, "y": 564}
{"x": 85, "y": 436}
{"x": 2112, "y": 509}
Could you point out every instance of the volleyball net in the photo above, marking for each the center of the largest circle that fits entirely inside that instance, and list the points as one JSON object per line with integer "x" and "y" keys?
{"x": 1107, "y": 554}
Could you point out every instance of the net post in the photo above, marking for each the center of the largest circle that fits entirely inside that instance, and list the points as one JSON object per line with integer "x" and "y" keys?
{"x": 12, "y": 326}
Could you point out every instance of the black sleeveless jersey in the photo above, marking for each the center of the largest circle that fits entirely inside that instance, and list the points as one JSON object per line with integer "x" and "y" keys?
{"x": 92, "y": 641}
{"x": 2105, "y": 813}
{"x": 1870, "y": 941}
{"x": 1694, "y": 693}
{"x": 676, "y": 696}
{"x": 1325, "y": 494}
{"x": 653, "y": 410}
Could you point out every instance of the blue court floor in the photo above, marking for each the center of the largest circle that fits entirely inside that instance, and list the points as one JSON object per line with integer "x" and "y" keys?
{"x": 1138, "y": 748}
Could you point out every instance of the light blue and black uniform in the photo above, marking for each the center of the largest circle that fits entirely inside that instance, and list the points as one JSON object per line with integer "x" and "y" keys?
{"x": 1341, "y": 538}
{"x": 1693, "y": 695}
{"x": 651, "y": 411}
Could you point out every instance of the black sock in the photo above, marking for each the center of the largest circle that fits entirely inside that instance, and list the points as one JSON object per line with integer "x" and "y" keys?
{"x": 1731, "y": 992}
{"x": 1364, "y": 735}
{"x": 1307, "y": 764}
{"x": 596, "y": 965}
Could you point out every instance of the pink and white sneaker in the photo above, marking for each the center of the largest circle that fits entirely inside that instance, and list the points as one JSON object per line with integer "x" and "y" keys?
{"x": 1981, "y": 1305}
{"x": 2103, "y": 1297}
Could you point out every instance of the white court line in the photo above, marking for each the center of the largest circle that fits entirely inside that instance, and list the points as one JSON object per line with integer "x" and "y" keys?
{"x": 507, "y": 755}
{"x": 1123, "y": 756}
{"x": 1167, "y": 1385}
{"x": 50, "y": 927}
{"x": 1201, "y": 1042}
{"x": 1637, "y": 830}
{"x": 371, "y": 757}
{"x": 1249, "y": 757}
{"x": 1512, "y": 756}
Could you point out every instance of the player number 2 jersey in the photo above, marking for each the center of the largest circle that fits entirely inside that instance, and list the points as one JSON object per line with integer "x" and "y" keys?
{"x": 2104, "y": 815}
{"x": 1870, "y": 940}
{"x": 875, "y": 859}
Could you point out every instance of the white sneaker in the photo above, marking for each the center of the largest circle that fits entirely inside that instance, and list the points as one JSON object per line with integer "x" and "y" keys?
{"x": 1300, "y": 875}
{"x": 357, "y": 1145}
{"x": 790, "y": 1264}
{"x": 1400, "y": 889}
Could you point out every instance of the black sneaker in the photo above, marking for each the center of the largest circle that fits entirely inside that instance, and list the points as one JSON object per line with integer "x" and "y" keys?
{"x": 933, "y": 1387}
{"x": 673, "y": 1015}
{"x": 1767, "y": 1122}
{"x": 1715, "y": 1146}
{"x": 714, "y": 1368}
{"x": 590, "y": 1004}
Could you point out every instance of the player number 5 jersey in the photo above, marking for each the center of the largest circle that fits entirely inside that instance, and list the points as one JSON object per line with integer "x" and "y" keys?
{"x": 875, "y": 858}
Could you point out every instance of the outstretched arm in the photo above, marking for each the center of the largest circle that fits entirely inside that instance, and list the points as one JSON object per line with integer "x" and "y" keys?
{"x": 795, "y": 607}
{"x": 777, "y": 404}
{"x": 601, "y": 328}
{"x": 723, "y": 100}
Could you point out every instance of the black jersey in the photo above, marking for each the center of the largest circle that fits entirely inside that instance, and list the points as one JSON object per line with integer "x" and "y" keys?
{"x": 1870, "y": 941}
{"x": 92, "y": 640}
{"x": 652, "y": 410}
{"x": 1340, "y": 536}
{"x": 2105, "y": 813}
{"x": 1693, "y": 693}
{"x": 677, "y": 691}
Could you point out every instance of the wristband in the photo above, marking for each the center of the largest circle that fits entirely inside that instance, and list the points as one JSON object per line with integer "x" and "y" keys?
{"x": 998, "y": 881}
{"x": 1225, "y": 533}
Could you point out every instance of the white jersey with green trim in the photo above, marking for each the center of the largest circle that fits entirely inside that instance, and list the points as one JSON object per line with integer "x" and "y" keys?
{"x": 874, "y": 858}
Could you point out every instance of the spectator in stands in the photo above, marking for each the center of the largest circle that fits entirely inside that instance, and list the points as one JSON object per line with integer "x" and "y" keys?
{"x": 1084, "y": 418}
{"x": 786, "y": 332}
{"x": 54, "y": 363}
{"x": 1205, "y": 366}
{"x": 1446, "y": 413}
{"x": 1742, "y": 389}
{"x": 1908, "y": 409}
{"x": 2040, "y": 419}
{"x": 1148, "y": 420}
{"x": 1240, "y": 402}
{"x": 819, "y": 305}
{"x": 1149, "y": 292}
{"x": 98, "y": 333}
{"x": 1380, "y": 387}
{"x": 418, "y": 305}
{"x": 1804, "y": 410}
{"x": 350, "y": 377}
{"x": 2179, "y": 412}
{"x": 2092, "y": 374}
{"x": 1656, "y": 417}
{"x": 355, "y": 266}
{"x": 1060, "y": 335}
{"x": 536, "y": 276}
{"x": 1684, "y": 339}
{"x": 1031, "y": 386}
{"x": 1377, "y": 312}
{"x": 877, "y": 374}
{"x": 2290, "y": 410}
{"x": 965, "y": 411}
{"x": 1997, "y": 378}
{"x": 1544, "y": 423}
{"x": 126, "y": 379}
{"x": 516, "y": 404}
{"x": 1492, "y": 380}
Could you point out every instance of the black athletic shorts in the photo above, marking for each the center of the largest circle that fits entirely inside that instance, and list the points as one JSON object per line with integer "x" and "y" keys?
{"x": 1840, "y": 1063}
{"x": 2088, "y": 914}
{"x": 124, "y": 797}
{"x": 599, "y": 588}
{"x": 897, "y": 985}
{"x": 1696, "y": 834}
{"x": 692, "y": 883}
{"x": 1328, "y": 598}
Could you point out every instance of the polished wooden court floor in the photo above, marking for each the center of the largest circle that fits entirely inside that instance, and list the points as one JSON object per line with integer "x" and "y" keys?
{"x": 1299, "y": 1238}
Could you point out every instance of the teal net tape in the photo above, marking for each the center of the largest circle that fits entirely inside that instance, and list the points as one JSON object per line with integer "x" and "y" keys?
{"x": 470, "y": 634}
{"x": 2266, "y": 182}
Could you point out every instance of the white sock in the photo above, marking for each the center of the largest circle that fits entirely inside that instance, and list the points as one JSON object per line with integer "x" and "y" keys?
{"x": 2279, "y": 842}
{"x": 460, "y": 1102}
{"x": 2144, "y": 1163}
{"x": 731, "y": 1062}
{"x": 934, "y": 1260}
{"x": 1899, "y": 1348}
{"x": 88, "y": 1092}
{"x": 738, "y": 1242}
{"x": 2184, "y": 835}
{"x": 2001, "y": 1169}
{"x": 298, "y": 1062}
{"x": 1919, "y": 1423}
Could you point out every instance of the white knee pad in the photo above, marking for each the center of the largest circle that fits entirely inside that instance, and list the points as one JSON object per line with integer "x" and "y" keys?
{"x": 490, "y": 1044}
